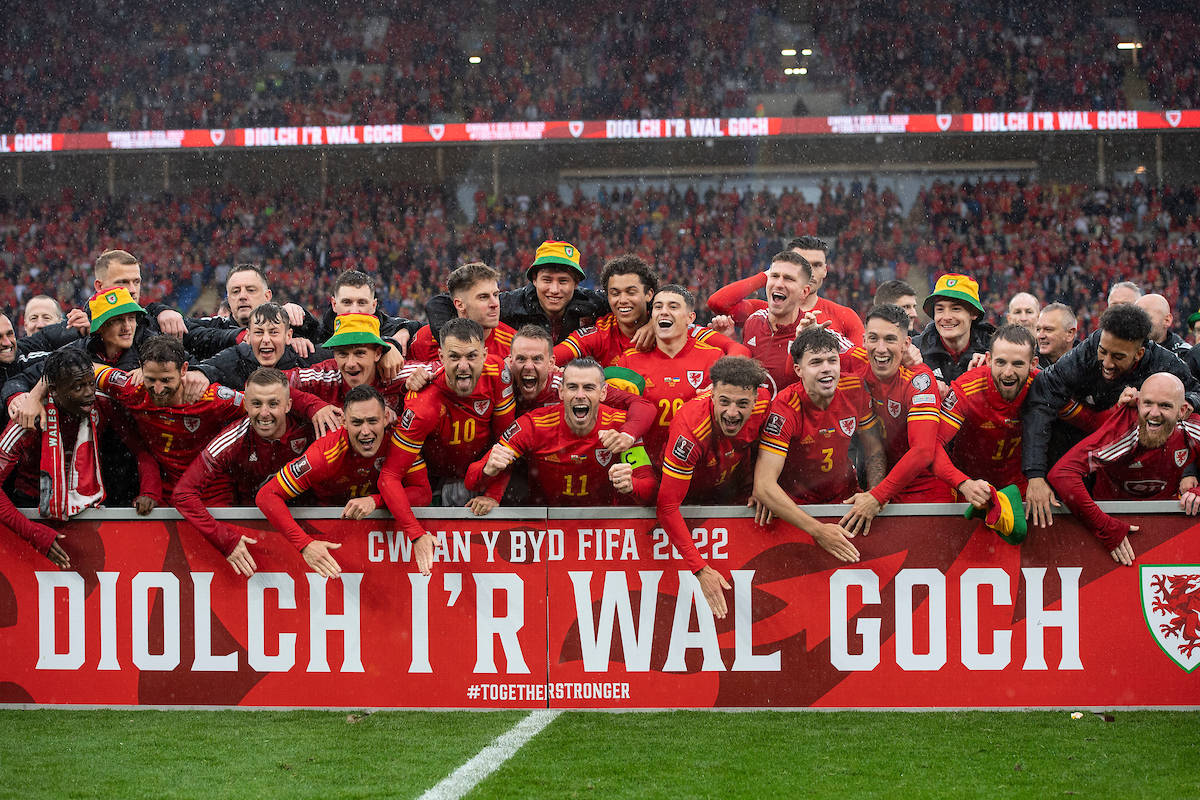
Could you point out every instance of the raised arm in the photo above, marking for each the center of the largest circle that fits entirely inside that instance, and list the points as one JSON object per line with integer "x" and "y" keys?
{"x": 732, "y": 300}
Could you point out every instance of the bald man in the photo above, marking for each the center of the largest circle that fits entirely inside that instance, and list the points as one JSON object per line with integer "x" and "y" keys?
{"x": 1148, "y": 466}
{"x": 1161, "y": 322}
{"x": 1123, "y": 292}
{"x": 1023, "y": 310}
{"x": 1055, "y": 333}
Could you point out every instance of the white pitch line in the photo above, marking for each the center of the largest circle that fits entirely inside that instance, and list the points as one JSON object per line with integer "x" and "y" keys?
{"x": 489, "y": 759}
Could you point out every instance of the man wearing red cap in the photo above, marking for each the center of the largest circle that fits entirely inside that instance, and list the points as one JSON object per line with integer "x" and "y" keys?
{"x": 552, "y": 299}
{"x": 957, "y": 332}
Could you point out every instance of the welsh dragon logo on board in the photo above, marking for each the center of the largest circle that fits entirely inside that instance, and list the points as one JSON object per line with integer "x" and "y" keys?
{"x": 1171, "y": 603}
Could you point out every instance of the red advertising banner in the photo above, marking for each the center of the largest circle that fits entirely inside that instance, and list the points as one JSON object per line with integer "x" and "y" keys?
{"x": 152, "y": 614}
{"x": 593, "y": 608}
{"x": 601, "y": 130}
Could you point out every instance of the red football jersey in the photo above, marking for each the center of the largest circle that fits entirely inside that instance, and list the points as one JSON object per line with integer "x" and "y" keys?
{"x": 907, "y": 405}
{"x": 424, "y": 348}
{"x": 334, "y": 473}
{"x": 453, "y": 431}
{"x": 670, "y": 382}
{"x": 21, "y": 453}
{"x": 230, "y": 471}
{"x": 639, "y": 412}
{"x": 174, "y": 435}
{"x": 769, "y": 346}
{"x": 703, "y": 466}
{"x": 1124, "y": 470}
{"x": 816, "y": 442}
{"x": 841, "y": 318}
{"x": 324, "y": 380}
{"x": 735, "y": 301}
{"x": 565, "y": 469}
{"x": 992, "y": 449}
{"x": 20, "y": 457}
{"x": 21, "y": 463}
{"x": 548, "y": 396}
{"x": 605, "y": 342}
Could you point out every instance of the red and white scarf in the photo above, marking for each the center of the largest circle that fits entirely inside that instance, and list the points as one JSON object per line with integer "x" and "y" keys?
{"x": 65, "y": 491}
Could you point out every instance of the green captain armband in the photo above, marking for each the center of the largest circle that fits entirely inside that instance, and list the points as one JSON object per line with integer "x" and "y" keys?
{"x": 636, "y": 457}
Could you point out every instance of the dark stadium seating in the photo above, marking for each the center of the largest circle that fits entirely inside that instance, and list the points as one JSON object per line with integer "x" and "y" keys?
{"x": 950, "y": 56}
{"x": 136, "y": 67}
{"x": 153, "y": 68}
{"x": 1171, "y": 62}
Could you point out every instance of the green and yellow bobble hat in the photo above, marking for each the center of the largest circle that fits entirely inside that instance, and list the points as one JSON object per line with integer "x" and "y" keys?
{"x": 1193, "y": 318}
{"x": 1005, "y": 514}
{"x": 955, "y": 287}
{"x": 632, "y": 382}
{"x": 111, "y": 303}
{"x": 351, "y": 329}
{"x": 557, "y": 254}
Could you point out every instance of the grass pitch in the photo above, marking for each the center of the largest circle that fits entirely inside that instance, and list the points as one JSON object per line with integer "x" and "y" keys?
{"x": 55, "y": 753}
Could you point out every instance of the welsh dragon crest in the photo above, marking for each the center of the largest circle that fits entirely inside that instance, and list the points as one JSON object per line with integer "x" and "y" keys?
{"x": 1171, "y": 602}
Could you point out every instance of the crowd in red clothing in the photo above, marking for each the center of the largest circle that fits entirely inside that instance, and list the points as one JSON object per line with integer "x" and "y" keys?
{"x": 1171, "y": 62}
{"x": 922, "y": 56}
{"x": 1060, "y": 242}
{"x": 245, "y": 64}
{"x": 254, "y": 63}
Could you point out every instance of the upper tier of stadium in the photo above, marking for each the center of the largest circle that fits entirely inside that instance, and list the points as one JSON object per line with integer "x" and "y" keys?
{"x": 116, "y": 66}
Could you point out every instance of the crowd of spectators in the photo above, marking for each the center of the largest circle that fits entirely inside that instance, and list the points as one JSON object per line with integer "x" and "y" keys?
{"x": 924, "y": 56}
{"x": 1060, "y": 242}
{"x": 1065, "y": 243}
{"x": 120, "y": 66}
{"x": 212, "y": 66}
{"x": 1171, "y": 61}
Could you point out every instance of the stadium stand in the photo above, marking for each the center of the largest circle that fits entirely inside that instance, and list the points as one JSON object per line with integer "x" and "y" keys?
{"x": 950, "y": 56}
{"x": 1060, "y": 242}
{"x": 296, "y": 64}
{"x": 1170, "y": 63}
